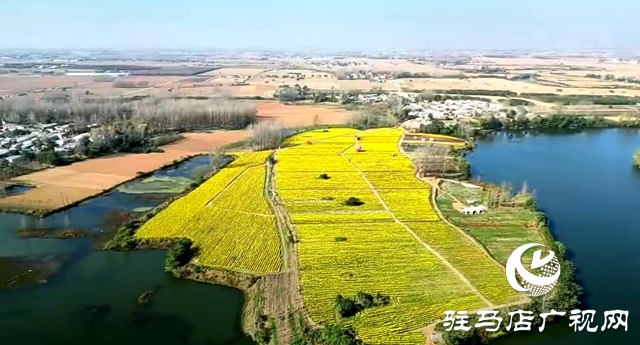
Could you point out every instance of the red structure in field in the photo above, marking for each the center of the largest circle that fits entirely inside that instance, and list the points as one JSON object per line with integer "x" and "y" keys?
{"x": 309, "y": 142}
{"x": 358, "y": 148}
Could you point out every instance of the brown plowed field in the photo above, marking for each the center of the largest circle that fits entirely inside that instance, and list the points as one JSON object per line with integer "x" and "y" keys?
{"x": 59, "y": 186}
{"x": 302, "y": 115}
{"x": 69, "y": 184}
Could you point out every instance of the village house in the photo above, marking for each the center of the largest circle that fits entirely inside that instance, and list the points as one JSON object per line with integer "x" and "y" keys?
{"x": 11, "y": 146}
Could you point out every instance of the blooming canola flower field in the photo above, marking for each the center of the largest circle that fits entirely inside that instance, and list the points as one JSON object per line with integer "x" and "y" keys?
{"x": 384, "y": 244}
{"x": 227, "y": 218}
{"x": 363, "y": 221}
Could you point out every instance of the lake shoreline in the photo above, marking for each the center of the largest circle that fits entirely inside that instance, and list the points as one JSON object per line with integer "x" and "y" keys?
{"x": 41, "y": 213}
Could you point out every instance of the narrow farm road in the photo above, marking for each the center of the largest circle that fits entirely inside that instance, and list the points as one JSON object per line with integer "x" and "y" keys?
{"x": 424, "y": 244}
{"x": 153, "y": 86}
{"x": 290, "y": 247}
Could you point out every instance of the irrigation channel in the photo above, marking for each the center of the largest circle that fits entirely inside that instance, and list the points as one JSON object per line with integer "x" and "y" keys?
{"x": 65, "y": 291}
{"x": 586, "y": 185}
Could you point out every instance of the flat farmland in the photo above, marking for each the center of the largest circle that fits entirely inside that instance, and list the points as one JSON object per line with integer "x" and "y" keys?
{"x": 302, "y": 115}
{"x": 312, "y": 79}
{"x": 502, "y": 84}
{"x": 234, "y": 71}
{"x": 392, "y": 243}
{"x": 397, "y": 65}
{"x": 365, "y": 85}
{"x": 14, "y": 84}
{"x": 88, "y": 178}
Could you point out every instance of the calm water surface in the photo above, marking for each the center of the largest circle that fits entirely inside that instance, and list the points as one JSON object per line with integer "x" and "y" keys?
{"x": 586, "y": 185}
{"x": 93, "y": 297}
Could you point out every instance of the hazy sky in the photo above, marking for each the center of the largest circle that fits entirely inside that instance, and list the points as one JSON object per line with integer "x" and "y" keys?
{"x": 330, "y": 24}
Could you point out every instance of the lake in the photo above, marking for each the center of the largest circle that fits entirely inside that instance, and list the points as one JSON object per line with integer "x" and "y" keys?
{"x": 78, "y": 295}
{"x": 586, "y": 185}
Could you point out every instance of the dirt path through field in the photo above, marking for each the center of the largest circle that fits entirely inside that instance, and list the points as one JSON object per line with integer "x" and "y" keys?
{"x": 424, "y": 244}
{"x": 293, "y": 291}
{"x": 153, "y": 86}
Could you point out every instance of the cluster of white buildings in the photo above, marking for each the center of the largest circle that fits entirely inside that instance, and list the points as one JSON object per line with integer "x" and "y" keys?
{"x": 97, "y": 74}
{"x": 626, "y": 61}
{"x": 324, "y": 63}
{"x": 370, "y": 98}
{"x": 12, "y": 146}
{"x": 450, "y": 109}
{"x": 374, "y": 77}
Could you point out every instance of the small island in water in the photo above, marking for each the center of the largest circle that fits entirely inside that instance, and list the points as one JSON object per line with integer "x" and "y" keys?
{"x": 636, "y": 159}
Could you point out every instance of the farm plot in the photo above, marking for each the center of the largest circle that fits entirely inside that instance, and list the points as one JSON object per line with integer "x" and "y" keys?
{"x": 343, "y": 249}
{"x": 465, "y": 255}
{"x": 339, "y": 180}
{"x": 410, "y": 205}
{"x": 375, "y": 161}
{"x": 317, "y": 163}
{"x": 395, "y": 180}
{"x": 382, "y": 257}
{"x": 227, "y": 218}
{"x": 501, "y": 230}
{"x": 320, "y": 134}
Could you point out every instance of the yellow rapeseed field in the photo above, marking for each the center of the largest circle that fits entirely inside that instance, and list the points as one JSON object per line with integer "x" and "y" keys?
{"x": 378, "y": 257}
{"x": 410, "y": 205}
{"x": 227, "y": 218}
{"x": 319, "y": 134}
{"x": 312, "y": 180}
{"x": 346, "y": 249}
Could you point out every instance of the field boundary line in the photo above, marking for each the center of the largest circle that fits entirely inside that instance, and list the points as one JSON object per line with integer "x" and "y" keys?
{"x": 424, "y": 244}
{"x": 280, "y": 224}
{"x": 208, "y": 203}
{"x": 434, "y": 205}
{"x": 282, "y": 218}
{"x": 244, "y": 212}
{"x": 434, "y": 194}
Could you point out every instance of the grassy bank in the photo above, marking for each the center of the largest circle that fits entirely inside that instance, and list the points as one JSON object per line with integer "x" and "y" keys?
{"x": 512, "y": 220}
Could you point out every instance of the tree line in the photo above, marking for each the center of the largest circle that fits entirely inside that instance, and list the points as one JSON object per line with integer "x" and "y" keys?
{"x": 514, "y": 121}
{"x": 159, "y": 114}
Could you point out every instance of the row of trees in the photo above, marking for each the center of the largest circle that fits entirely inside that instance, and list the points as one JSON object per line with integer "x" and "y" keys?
{"x": 440, "y": 160}
{"x": 130, "y": 84}
{"x": 159, "y": 114}
{"x": 514, "y": 121}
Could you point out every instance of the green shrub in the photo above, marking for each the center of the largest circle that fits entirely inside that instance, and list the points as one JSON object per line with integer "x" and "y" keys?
{"x": 353, "y": 201}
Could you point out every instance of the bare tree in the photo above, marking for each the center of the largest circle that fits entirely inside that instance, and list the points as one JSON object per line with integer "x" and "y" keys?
{"x": 267, "y": 135}
{"x": 432, "y": 160}
{"x": 159, "y": 114}
{"x": 217, "y": 158}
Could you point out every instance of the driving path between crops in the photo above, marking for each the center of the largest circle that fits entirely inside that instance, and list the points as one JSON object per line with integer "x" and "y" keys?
{"x": 428, "y": 247}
